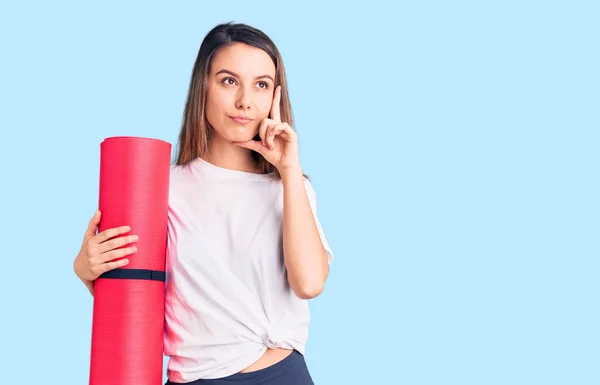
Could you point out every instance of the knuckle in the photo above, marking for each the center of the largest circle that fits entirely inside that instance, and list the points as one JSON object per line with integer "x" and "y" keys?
{"x": 113, "y": 243}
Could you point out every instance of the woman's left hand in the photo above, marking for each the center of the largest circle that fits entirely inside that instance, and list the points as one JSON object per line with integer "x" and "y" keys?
{"x": 279, "y": 142}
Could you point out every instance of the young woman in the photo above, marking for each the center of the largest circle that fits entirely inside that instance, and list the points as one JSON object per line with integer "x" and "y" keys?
{"x": 245, "y": 250}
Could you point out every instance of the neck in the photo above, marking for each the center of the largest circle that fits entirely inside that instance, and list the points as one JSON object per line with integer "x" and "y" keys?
{"x": 225, "y": 154}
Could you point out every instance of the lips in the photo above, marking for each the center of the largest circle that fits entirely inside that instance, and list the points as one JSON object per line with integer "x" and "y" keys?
{"x": 241, "y": 119}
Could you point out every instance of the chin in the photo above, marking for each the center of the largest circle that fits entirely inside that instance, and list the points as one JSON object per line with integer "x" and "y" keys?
{"x": 239, "y": 133}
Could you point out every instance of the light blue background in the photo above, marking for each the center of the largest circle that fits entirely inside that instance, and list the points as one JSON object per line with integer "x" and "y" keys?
{"x": 454, "y": 148}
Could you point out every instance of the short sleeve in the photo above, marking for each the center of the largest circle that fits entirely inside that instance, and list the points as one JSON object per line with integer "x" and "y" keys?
{"x": 312, "y": 198}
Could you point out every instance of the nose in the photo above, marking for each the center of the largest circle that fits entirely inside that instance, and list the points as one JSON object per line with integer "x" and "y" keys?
{"x": 243, "y": 99}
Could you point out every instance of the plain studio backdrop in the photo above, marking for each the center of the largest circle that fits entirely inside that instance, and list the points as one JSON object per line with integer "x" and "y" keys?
{"x": 453, "y": 146}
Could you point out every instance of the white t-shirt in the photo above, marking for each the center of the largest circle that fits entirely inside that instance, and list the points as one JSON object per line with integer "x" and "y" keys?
{"x": 227, "y": 297}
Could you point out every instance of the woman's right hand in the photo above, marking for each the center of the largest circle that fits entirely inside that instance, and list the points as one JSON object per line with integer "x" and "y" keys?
{"x": 99, "y": 250}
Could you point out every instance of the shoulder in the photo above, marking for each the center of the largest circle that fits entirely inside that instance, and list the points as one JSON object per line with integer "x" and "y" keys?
{"x": 182, "y": 179}
{"x": 176, "y": 175}
{"x": 181, "y": 173}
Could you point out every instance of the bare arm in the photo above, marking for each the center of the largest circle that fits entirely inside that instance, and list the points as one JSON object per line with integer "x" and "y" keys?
{"x": 305, "y": 257}
{"x": 90, "y": 286}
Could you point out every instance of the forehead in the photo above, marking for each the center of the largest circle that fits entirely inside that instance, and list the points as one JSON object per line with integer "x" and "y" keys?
{"x": 243, "y": 59}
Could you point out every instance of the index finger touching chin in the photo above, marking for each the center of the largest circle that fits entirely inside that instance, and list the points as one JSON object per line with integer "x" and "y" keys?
{"x": 275, "y": 108}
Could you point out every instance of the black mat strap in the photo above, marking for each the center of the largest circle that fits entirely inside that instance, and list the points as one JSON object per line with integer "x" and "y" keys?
{"x": 152, "y": 275}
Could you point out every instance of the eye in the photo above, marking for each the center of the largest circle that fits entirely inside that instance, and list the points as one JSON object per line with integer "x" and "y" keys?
{"x": 265, "y": 85}
{"x": 228, "y": 81}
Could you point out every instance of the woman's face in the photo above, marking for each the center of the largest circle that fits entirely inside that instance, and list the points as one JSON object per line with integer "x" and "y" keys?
{"x": 240, "y": 91}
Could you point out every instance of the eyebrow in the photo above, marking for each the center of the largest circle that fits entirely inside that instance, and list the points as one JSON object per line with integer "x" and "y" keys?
{"x": 224, "y": 71}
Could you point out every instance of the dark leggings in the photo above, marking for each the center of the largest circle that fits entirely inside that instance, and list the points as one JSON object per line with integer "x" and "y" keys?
{"x": 292, "y": 370}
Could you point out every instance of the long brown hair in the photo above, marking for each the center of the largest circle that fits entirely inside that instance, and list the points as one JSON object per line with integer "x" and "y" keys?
{"x": 194, "y": 137}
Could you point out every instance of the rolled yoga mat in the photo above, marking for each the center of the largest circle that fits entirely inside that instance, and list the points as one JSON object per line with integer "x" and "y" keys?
{"x": 128, "y": 312}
